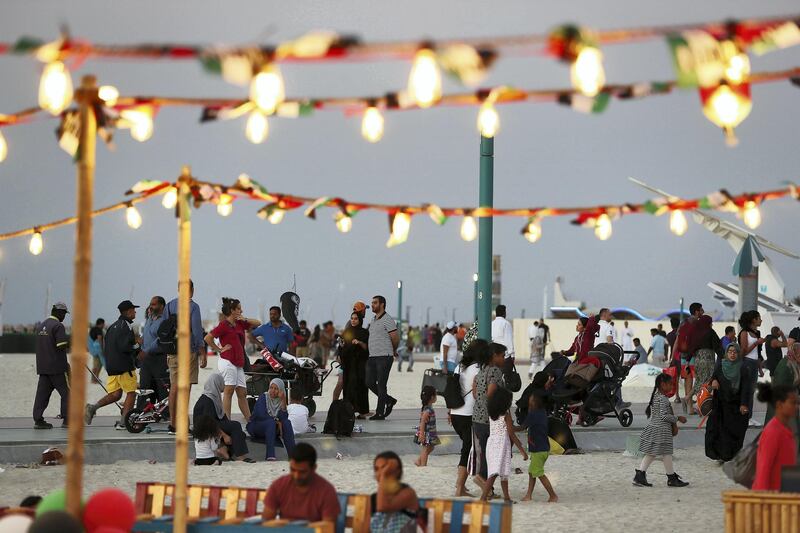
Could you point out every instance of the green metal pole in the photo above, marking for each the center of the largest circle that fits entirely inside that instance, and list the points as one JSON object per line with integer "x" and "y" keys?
{"x": 400, "y": 302}
{"x": 485, "y": 228}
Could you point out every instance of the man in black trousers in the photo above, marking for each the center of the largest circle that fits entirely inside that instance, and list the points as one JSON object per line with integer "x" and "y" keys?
{"x": 51, "y": 365}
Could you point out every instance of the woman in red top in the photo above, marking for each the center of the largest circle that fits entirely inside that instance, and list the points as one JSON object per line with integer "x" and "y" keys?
{"x": 587, "y": 328}
{"x": 776, "y": 447}
{"x": 231, "y": 333}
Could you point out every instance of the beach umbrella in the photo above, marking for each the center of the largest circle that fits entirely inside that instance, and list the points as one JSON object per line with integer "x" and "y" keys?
{"x": 746, "y": 268}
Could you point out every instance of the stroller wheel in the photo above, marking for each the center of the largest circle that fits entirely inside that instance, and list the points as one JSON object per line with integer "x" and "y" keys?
{"x": 626, "y": 418}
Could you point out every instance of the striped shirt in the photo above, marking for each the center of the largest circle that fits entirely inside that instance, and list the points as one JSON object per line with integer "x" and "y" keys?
{"x": 380, "y": 343}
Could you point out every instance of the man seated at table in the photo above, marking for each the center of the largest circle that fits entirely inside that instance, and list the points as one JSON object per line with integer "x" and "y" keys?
{"x": 302, "y": 494}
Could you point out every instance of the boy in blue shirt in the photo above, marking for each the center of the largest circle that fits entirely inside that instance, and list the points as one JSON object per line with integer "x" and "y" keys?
{"x": 538, "y": 446}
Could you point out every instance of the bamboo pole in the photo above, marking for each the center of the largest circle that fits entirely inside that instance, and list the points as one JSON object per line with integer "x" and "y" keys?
{"x": 86, "y": 96}
{"x": 184, "y": 352}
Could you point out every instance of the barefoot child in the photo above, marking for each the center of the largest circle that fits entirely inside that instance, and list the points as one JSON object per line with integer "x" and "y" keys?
{"x": 426, "y": 433}
{"x": 539, "y": 447}
{"x": 210, "y": 442}
{"x": 498, "y": 447}
{"x": 657, "y": 437}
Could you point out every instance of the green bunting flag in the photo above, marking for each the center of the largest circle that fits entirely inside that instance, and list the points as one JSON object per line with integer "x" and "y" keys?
{"x": 697, "y": 58}
{"x": 586, "y": 104}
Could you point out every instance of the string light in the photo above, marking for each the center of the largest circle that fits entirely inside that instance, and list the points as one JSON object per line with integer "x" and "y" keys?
{"x": 344, "y": 223}
{"x": 727, "y": 109}
{"x": 751, "y": 214}
{"x": 3, "y": 148}
{"x": 108, "y": 94}
{"x": 225, "y": 205}
{"x": 257, "y": 128}
{"x": 400, "y": 227}
{"x": 488, "y": 120}
{"x": 133, "y": 217}
{"x": 55, "y": 88}
{"x": 170, "y": 199}
{"x": 469, "y": 230}
{"x": 533, "y": 231}
{"x": 276, "y": 217}
{"x": 37, "y": 243}
{"x": 602, "y": 227}
{"x": 266, "y": 89}
{"x": 677, "y": 222}
{"x": 140, "y": 121}
{"x": 372, "y": 124}
{"x": 425, "y": 81}
{"x": 737, "y": 65}
{"x": 587, "y": 73}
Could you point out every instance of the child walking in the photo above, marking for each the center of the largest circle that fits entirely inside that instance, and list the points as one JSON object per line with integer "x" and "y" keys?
{"x": 657, "y": 437}
{"x": 426, "y": 433}
{"x": 210, "y": 442}
{"x": 498, "y": 446}
{"x": 538, "y": 446}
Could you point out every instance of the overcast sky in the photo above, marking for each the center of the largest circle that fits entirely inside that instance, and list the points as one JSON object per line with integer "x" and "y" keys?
{"x": 545, "y": 155}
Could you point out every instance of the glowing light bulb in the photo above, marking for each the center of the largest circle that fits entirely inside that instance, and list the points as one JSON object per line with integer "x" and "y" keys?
{"x": 400, "y": 226}
{"x": 276, "y": 217}
{"x": 533, "y": 231}
{"x": 469, "y": 230}
{"x": 602, "y": 227}
{"x": 3, "y": 148}
{"x": 475, "y": 277}
{"x": 488, "y": 120}
{"x": 738, "y": 68}
{"x": 727, "y": 109}
{"x": 677, "y": 222}
{"x": 170, "y": 199}
{"x": 372, "y": 124}
{"x": 266, "y": 89}
{"x": 108, "y": 94}
{"x": 257, "y": 128}
{"x": 225, "y": 205}
{"x": 36, "y": 243}
{"x": 425, "y": 81}
{"x": 344, "y": 223}
{"x": 133, "y": 217}
{"x": 587, "y": 73}
{"x": 55, "y": 88}
{"x": 751, "y": 214}
{"x": 141, "y": 122}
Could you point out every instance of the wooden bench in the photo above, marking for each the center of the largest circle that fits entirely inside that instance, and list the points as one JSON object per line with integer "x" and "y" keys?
{"x": 467, "y": 516}
{"x": 761, "y": 512}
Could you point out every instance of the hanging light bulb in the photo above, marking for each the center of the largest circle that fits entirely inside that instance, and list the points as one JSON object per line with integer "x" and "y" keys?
{"x": 276, "y": 217}
{"x": 751, "y": 214}
{"x": 225, "y": 205}
{"x": 728, "y": 108}
{"x": 425, "y": 81}
{"x": 108, "y": 94}
{"x": 3, "y": 147}
{"x": 133, "y": 217}
{"x": 602, "y": 227}
{"x": 469, "y": 230}
{"x": 677, "y": 222}
{"x": 266, "y": 89}
{"x": 737, "y": 64}
{"x": 587, "y": 73}
{"x": 400, "y": 226}
{"x": 141, "y": 122}
{"x": 488, "y": 120}
{"x": 257, "y": 127}
{"x": 170, "y": 198}
{"x": 344, "y": 223}
{"x": 533, "y": 231}
{"x": 372, "y": 124}
{"x": 55, "y": 88}
{"x": 36, "y": 243}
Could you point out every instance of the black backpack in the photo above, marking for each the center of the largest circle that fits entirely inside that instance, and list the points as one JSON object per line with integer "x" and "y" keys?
{"x": 452, "y": 392}
{"x": 341, "y": 419}
{"x": 167, "y": 334}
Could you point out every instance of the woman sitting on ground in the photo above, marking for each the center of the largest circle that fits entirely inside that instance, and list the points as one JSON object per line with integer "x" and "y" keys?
{"x": 270, "y": 419}
{"x": 210, "y": 404}
{"x": 777, "y": 447}
{"x": 395, "y": 505}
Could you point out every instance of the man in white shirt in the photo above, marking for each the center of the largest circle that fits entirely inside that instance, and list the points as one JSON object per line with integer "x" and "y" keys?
{"x": 502, "y": 332}
{"x": 627, "y": 338}
{"x": 449, "y": 348}
{"x": 606, "y": 333}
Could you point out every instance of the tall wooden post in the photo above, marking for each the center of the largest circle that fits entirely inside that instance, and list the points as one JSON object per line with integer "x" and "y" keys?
{"x": 86, "y": 97}
{"x": 184, "y": 351}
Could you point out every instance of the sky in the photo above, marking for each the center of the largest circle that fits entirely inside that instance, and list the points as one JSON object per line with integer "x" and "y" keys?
{"x": 544, "y": 155}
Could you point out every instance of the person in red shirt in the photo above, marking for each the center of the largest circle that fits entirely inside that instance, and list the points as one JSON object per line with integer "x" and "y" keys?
{"x": 302, "y": 494}
{"x": 776, "y": 447}
{"x": 587, "y": 328}
{"x": 231, "y": 333}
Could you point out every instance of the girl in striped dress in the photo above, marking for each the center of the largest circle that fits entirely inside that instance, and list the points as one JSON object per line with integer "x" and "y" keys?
{"x": 656, "y": 438}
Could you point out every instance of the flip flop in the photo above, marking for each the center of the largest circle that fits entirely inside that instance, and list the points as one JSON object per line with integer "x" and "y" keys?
{"x": 248, "y": 460}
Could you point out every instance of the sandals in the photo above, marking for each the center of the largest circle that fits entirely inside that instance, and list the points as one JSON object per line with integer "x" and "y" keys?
{"x": 248, "y": 460}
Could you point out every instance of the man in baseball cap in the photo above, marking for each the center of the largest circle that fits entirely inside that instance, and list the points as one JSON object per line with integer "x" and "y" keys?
{"x": 51, "y": 365}
{"x": 449, "y": 347}
{"x": 360, "y": 308}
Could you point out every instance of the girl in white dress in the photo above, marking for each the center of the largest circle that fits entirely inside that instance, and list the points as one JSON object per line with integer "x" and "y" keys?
{"x": 498, "y": 447}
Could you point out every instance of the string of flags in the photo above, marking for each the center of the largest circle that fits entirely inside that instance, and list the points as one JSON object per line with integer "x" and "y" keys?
{"x": 399, "y": 216}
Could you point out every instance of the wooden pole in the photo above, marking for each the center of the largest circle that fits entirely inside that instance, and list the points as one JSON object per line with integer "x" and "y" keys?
{"x": 86, "y": 97}
{"x": 184, "y": 352}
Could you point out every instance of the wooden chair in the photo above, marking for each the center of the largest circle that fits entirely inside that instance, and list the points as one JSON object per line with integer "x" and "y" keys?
{"x": 467, "y": 516}
{"x": 761, "y": 512}
{"x": 355, "y": 512}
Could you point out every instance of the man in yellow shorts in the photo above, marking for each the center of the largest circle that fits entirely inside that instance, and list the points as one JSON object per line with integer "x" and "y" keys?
{"x": 121, "y": 348}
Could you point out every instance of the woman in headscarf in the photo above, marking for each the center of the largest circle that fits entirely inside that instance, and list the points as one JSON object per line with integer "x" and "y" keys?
{"x": 704, "y": 343}
{"x": 727, "y": 423}
{"x": 210, "y": 404}
{"x": 787, "y": 374}
{"x": 354, "y": 357}
{"x": 270, "y": 420}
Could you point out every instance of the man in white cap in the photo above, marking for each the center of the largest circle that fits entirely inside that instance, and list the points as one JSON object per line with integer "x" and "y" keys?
{"x": 449, "y": 348}
{"x": 51, "y": 365}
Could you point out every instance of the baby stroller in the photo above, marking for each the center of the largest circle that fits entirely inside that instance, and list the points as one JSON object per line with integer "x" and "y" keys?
{"x": 599, "y": 398}
{"x": 555, "y": 368}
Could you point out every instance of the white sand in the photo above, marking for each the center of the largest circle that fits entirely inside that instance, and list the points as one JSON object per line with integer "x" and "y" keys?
{"x": 595, "y": 490}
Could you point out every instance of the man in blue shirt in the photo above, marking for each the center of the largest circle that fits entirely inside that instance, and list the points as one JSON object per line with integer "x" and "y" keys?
{"x": 153, "y": 371}
{"x": 276, "y": 335}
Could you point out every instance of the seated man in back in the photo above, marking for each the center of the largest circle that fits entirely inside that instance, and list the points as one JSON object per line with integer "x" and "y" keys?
{"x": 302, "y": 494}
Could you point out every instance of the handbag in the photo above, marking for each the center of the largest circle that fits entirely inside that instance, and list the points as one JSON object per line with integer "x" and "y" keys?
{"x": 705, "y": 399}
{"x": 436, "y": 379}
{"x": 742, "y": 468}
{"x": 512, "y": 379}
{"x": 580, "y": 374}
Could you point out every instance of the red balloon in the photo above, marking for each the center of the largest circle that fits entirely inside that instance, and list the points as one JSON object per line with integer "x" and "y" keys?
{"x": 107, "y": 511}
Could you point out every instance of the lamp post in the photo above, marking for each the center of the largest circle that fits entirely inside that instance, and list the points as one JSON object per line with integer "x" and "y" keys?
{"x": 485, "y": 227}
{"x": 428, "y": 315}
{"x": 475, "y": 296}
{"x": 400, "y": 301}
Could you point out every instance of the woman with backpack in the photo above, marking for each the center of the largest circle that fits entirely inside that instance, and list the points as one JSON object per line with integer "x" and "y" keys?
{"x": 704, "y": 343}
{"x": 461, "y": 417}
{"x": 727, "y": 423}
{"x": 488, "y": 379}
